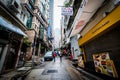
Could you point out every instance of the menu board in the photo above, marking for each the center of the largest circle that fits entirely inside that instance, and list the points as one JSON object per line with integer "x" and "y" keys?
{"x": 80, "y": 62}
{"x": 103, "y": 64}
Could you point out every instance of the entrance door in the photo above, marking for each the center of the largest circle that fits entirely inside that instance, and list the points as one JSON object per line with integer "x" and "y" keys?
{"x": 12, "y": 56}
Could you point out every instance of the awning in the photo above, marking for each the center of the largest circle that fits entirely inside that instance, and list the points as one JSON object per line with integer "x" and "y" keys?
{"x": 8, "y": 25}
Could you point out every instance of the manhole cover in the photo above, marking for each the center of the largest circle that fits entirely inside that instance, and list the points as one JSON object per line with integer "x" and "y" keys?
{"x": 52, "y": 71}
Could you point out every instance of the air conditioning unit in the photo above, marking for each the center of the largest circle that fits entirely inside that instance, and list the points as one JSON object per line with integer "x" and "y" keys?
{"x": 14, "y": 6}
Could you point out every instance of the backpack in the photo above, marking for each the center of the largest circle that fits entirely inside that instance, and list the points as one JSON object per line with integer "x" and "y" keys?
{"x": 54, "y": 54}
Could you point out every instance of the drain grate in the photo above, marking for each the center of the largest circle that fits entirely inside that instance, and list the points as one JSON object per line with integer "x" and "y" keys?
{"x": 52, "y": 71}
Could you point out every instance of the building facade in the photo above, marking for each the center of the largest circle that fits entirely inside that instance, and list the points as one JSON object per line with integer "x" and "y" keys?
{"x": 97, "y": 24}
{"x": 69, "y": 21}
{"x": 24, "y": 25}
{"x": 100, "y": 41}
{"x": 12, "y": 28}
{"x": 50, "y": 28}
{"x": 38, "y": 26}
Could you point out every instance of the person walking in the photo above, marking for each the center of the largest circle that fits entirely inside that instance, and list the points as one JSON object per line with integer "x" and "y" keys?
{"x": 60, "y": 54}
{"x": 54, "y": 55}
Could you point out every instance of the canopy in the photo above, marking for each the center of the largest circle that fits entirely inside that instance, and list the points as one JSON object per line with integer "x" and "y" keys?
{"x": 8, "y": 25}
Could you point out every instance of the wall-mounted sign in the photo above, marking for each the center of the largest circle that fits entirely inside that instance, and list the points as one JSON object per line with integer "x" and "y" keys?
{"x": 104, "y": 65}
{"x": 80, "y": 62}
{"x": 67, "y": 11}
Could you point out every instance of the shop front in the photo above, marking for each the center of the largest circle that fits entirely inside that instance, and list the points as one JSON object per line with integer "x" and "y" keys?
{"x": 101, "y": 47}
{"x": 10, "y": 44}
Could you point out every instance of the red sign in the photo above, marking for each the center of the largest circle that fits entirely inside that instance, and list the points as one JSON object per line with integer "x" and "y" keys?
{"x": 80, "y": 23}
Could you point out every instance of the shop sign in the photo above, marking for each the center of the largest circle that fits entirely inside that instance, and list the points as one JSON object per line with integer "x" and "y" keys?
{"x": 100, "y": 26}
{"x": 67, "y": 11}
{"x": 103, "y": 64}
{"x": 80, "y": 62}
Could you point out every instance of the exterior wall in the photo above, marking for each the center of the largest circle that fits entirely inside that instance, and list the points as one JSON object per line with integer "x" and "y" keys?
{"x": 50, "y": 20}
{"x": 38, "y": 19}
{"x": 35, "y": 24}
{"x": 98, "y": 16}
{"x": 31, "y": 35}
{"x": 62, "y": 32}
{"x": 31, "y": 38}
{"x": 10, "y": 38}
{"x": 109, "y": 42}
{"x": 22, "y": 12}
{"x": 74, "y": 44}
{"x": 106, "y": 41}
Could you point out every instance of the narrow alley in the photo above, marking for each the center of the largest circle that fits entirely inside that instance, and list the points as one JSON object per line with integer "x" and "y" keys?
{"x": 84, "y": 33}
{"x": 57, "y": 70}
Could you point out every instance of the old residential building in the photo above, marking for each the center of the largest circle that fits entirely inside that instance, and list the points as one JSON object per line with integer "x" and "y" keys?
{"x": 37, "y": 26}
{"x": 25, "y": 27}
{"x": 13, "y": 17}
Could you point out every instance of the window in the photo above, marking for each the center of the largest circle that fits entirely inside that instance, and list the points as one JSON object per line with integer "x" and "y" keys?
{"x": 30, "y": 6}
{"x": 23, "y": 17}
{"x": 21, "y": 14}
{"x": 33, "y": 1}
{"x": 29, "y": 21}
{"x": 16, "y": 5}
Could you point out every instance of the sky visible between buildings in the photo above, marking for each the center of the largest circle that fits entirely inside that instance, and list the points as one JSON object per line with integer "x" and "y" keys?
{"x": 56, "y": 23}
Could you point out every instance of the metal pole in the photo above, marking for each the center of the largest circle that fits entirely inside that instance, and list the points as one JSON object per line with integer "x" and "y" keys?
{"x": 34, "y": 49}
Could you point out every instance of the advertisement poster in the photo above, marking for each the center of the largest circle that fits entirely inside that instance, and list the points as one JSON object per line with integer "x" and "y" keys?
{"x": 80, "y": 62}
{"x": 104, "y": 65}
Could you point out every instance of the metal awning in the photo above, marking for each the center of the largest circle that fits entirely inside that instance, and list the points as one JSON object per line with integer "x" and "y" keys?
{"x": 8, "y": 25}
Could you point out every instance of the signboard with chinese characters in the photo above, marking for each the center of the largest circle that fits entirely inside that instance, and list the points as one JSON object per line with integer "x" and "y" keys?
{"x": 67, "y": 11}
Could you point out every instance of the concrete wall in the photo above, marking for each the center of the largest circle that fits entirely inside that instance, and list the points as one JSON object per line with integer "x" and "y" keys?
{"x": 98, "y": 16}
{"x": 22, "y": 12}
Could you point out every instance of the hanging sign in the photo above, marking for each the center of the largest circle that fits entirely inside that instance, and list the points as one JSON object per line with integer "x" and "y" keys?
{"x": 67, "y": 11}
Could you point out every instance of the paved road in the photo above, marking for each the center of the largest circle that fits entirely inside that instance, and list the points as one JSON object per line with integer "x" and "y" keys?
{"x": 57, "y": 70}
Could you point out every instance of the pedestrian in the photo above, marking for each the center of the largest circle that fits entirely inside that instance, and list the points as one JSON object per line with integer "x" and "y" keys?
{"x": 71, "y": 56}
{"x": 60, "y": 54}
{"x": 57, "y": 53}
{"x": 54, "y": 55}
{"x": 65, "y": 52}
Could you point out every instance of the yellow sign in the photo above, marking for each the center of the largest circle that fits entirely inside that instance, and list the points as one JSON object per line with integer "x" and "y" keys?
{"x": 102, "y": 26}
